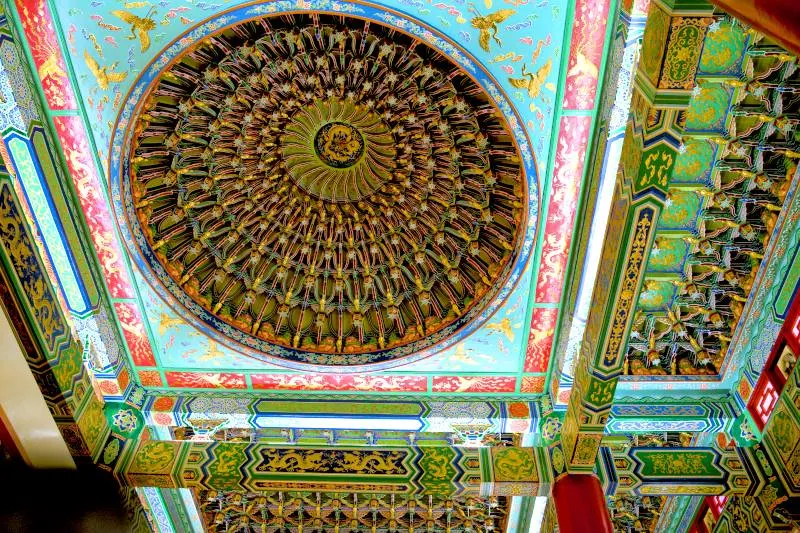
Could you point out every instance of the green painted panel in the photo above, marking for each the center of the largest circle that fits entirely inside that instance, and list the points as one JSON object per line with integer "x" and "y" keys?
{"x": 788, "y": 287}
{"x": 656, "y": 295}
{"x": 708, "y": 108}
{"x": 669, "y": 463}
{"x": 680, "y": 210}
{"x": 723, "y": 49}
{"x": 667, "y": 255}
{"x": 438, "y": 470}
{"x": 694, "y": 162}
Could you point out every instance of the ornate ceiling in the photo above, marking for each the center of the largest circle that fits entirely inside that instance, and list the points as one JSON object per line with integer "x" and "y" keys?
{"x": 366, "y": 213}
{"x": 350, "y": 512}
{"x": 325, "y": 190}
{"x": 278, "y": 189}
{"x": 425, "y": 263}
{"x": 729, "y": 183}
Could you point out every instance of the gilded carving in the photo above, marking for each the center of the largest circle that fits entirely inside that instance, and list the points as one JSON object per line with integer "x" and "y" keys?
{"x": 349, "y": 509}
{"x": 153, "y": 457}
{"x": 657, "y": 166}
{"x": 672, "y": 463}
{"x": 586, "y": 449}
{"x": 514, "y": 464}
{"x": 654, "y": 41}
{"x": 683, "y": 52}
{"x": 325, "y": 212}
{"x": 304, "y": 461}
{"x": 627, "y": 291}
{"x": 19, "y": 248}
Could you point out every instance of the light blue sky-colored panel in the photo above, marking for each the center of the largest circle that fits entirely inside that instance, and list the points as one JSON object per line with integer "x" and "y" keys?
{"x": 530, "y": 36}
{"x": 499, "y": 346}
{"x": 28, "y": 175}
{"x": 181, "y": 345}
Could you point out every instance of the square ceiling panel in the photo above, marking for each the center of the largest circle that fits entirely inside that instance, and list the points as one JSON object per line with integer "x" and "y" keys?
{"x": 109, "y": 72}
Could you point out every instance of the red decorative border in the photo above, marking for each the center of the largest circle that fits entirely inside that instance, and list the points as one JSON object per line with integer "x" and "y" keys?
{"x": 540, "y": 339}
{"x": 87, "y": 183}
{"x": 586, "y": 54}
{"x": 206, "y": 380}
{"x": 532, "y": 384}
{"x": 567, "y": 174}
{"x": 135, "y": 334}
{"x": 336, "y": 382}
{"x": 150, "y": 378}
{"x": 37, "y": 24}
{"x": 474, "y": 384}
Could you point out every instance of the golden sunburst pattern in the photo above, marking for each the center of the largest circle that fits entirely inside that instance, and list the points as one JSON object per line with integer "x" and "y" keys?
{"x": 336, "y": 150}
{"x": 327, "y": 184}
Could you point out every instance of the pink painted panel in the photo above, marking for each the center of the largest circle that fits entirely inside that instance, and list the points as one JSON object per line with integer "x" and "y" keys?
{"x": 206, "y": 380}
{"x": 37, "y": 24}
{"x": 337, "y": 382}
{"x": 474, "y": 384}
{"x": 586, "y": 54}
{"x": 73, "y": 139}
{"x": 135, "y": 335}
{"x": 570, "y": 158}
{"x": 540, "y": 339}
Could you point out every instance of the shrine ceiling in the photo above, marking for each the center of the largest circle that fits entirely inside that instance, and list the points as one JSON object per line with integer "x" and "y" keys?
{"x": 467, "y": 279}
{"x": 435, "y": 263}
{"x": 355, "y": 200}
{"x": 522, "y": 87}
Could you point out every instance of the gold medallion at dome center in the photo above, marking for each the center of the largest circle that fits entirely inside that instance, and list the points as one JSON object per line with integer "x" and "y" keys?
{"x": 339, "y": 145}
{"x": 338, "y": 151}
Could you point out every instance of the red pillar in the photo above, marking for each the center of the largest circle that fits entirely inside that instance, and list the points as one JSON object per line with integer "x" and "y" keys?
{"x": 581, "y": 505}
{"x": 777, "y": 19}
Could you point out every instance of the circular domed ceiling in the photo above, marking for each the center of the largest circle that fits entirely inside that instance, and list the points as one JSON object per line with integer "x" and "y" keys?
{"x": 323, "y": 189}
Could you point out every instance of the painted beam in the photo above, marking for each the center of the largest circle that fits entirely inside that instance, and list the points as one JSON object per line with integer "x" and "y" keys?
{"x": 52, "y": 353}
{"x": 680, "y": 471}
{"x": 436, "y": 470}
{"x": 761, "y": 322}
{"x": 442, "y": 471}
{"x": 598, "y": 192}
{"x": 662, "y": 90}
{"x": 649, "y": 417}
{"x": 49, "y": 179}
{"x": 417, "y": 415}
{"x": 422, "y": 415}
{"x": 775, "y": 505}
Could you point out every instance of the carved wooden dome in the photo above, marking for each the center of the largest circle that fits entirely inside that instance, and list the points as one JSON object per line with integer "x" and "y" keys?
{"x": 325, "y": 189}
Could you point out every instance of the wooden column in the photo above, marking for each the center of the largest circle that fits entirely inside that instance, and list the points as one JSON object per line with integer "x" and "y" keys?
{"x": 777, "y": 19}
{"x": 581, "y": 505}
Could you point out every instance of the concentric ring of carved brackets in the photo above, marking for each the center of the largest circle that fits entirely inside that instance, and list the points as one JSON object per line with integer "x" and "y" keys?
{"x": 327, "y": 187}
